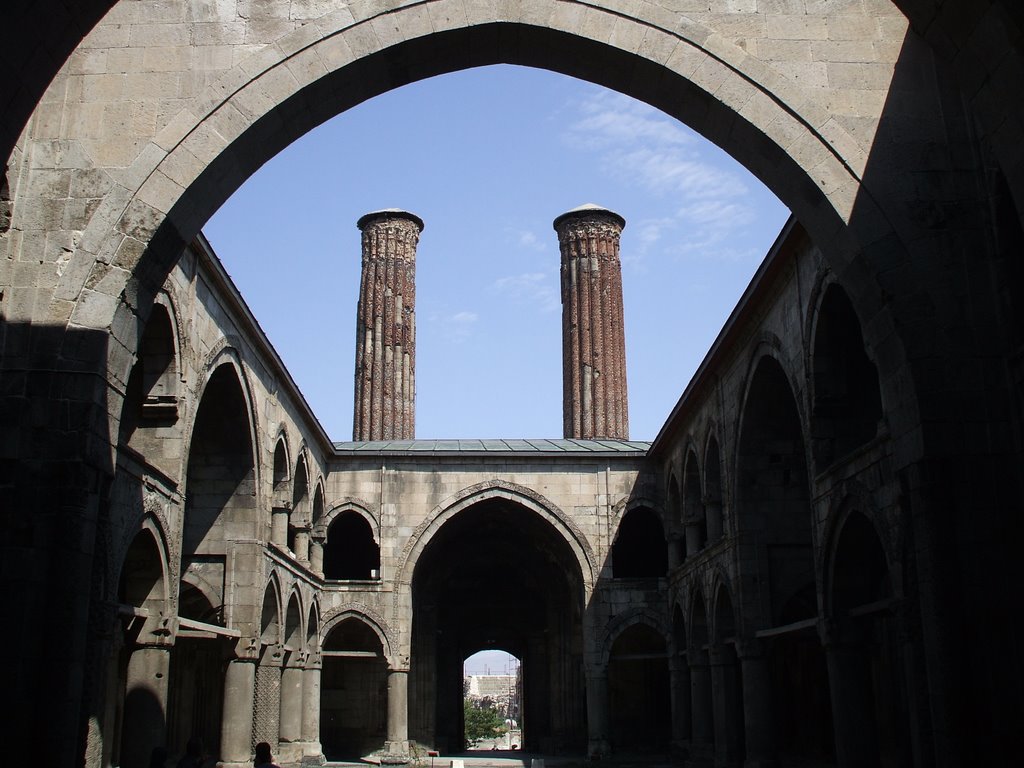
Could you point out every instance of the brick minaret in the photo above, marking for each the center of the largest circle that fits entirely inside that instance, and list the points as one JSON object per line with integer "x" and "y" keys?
{"x": 593, "y": 335}
{"x": 385, "y": 401}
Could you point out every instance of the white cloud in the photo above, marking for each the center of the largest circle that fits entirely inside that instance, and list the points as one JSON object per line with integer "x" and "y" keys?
{"x": 666, "y": 170}
{"x": 534, "y": 288}
{"x": 611, "y": 118}
{"x": 702, "y": 200}
{"x": 457, "y": 327}
{"x": 528, "y": 239}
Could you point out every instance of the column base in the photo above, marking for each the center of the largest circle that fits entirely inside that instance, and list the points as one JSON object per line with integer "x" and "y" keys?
{"x": 598, "y": 749}
{"x": 396, "y": 753}
{"x": 312, "y": 753}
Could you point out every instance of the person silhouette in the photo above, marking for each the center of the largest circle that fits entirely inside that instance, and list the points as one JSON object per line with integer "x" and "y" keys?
{"x": 263, "y": 757}
{"x": 193, "y": 757}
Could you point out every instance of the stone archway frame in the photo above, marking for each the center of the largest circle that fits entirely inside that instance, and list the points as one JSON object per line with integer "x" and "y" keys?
{"x": 153, "y": 524}
{"x": 719, "y": 582}
{"x": 772, "y": 347}
{"x": 225, "y": 352}
{"x": 850, "y": 498}
{"x": 629, "y": 503}
{"x": 340, "y": 506}
{"x": 631, "y": 618}
{"x": 371, "y": 618}
{"x": 563, "y": 525}
{"x": 151, "y": 195}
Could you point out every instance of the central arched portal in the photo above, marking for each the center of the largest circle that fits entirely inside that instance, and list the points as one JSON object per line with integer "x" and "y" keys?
{"x": 498, "y": 575}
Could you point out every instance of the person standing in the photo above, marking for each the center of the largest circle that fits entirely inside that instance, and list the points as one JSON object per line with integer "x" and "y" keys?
{"x": 263, "y": 757}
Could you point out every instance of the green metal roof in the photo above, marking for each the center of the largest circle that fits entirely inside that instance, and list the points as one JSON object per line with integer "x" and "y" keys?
{"x": 491, "y": 447}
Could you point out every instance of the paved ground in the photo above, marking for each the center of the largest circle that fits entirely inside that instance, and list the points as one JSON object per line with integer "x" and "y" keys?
{"x": 517, "y": 759}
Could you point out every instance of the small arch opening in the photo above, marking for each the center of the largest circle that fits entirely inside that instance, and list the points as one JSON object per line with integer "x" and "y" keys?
{"x": 350, "y": 551}
{"x": 492, "y": 701}
{"x": 847, "y": 399}
{"x": 639, "y": 550}
{"x": 354, "y": 691}
{"x": 638, "y": 691}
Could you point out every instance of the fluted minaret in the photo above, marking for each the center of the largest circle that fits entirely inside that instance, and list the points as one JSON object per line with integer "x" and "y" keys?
{"x": 593, "y": 335}
{"x": 385, "y": 391}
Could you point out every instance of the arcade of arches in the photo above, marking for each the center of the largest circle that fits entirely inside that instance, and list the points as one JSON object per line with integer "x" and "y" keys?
{"x": 813, "y": 562}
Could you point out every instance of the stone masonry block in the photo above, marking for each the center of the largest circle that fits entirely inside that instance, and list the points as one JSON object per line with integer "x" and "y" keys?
{"x": 218, "y": 33}
{"x": 798, "y": 27}
{"x": 158, "y": 35}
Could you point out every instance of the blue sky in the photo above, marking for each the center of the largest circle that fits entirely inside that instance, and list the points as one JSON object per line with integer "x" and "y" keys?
{"x": 488, "y": 158}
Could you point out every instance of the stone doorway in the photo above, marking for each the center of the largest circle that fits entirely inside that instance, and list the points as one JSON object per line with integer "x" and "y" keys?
{"x": 498, "y": 575}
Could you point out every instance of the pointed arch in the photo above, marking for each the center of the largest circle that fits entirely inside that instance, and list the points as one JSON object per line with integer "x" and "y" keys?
{"x": 714, "y": 504}
{"x": 772, "y": 496}
{"x": 281, "y": 473}
{"x": 693, "y": 505}
{"x": 495, "y": 489}
{"x": 222, "y": 475}
{"x": 846, "y": 398}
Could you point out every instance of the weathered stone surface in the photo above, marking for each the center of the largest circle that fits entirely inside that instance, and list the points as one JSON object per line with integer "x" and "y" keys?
{"x": 892, "y": 130}
{"x": 594, "y": 397}
{"x": 385, "y": 388}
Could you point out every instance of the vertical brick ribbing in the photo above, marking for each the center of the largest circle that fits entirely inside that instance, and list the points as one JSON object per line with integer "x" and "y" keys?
{"x": 385, "y": 386}
{"x": 593, "y": 333}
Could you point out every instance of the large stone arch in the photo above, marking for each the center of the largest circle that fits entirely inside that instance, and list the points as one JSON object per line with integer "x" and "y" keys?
{"x": 366, "y": 615}
{"x": 956, "y": 43}
{"x": 47, "y": 45}
{"x": 495, "y": 489}
{"x": 684, "y": 65}
{"x": 624, "y": 621}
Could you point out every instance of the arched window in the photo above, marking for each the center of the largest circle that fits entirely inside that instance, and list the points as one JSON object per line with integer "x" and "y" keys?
{"x": 350, "y": 551}
{"x": 847, "y": 399}
{"x": 151, "y": 395}
{"x": 639, "y": 549}
{"x": 713, "y": 512}
{"x": 693, "y": 507}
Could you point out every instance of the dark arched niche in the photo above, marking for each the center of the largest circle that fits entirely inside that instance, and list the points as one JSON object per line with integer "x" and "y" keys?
{"x": 847, "y": 399}
{"x": 350, "y": 551}
{"x": 638, "y": 691}
{"x": 498, "y": 575}
{"x": 221, "y": 473}
{"x": 639, "y": 549}
{"x": 354, "y": 688}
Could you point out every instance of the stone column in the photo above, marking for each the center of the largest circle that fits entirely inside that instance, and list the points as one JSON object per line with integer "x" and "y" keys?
{"x": 290, "y": 718}
{"x": 693, "y": 542}
{"x": 679, "y": 690}
{"x": 713, "y": 516}
{"x": 702, "y": 722}
{"x": 145, "y": 703}
{"x": 311, "y": 708}
{"x": 594, "y": 403}
{"x": 597, "y": 713}
{"x": 239, "y": 699}
{"x": 758, "y": 715}
{"x": 724, "y": 696}
{"x": 385, "y": 387}
{"x": 302, "y": 543}
{"x": 279, "y": 526}
{"x": 674, "y": 561}
{"x": 316, "y": 556}
{"x": 850, "y": 689}
{"x": 396, "y": 748}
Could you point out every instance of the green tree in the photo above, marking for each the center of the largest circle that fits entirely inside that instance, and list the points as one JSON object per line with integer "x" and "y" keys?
{"x": 481, "y": 723}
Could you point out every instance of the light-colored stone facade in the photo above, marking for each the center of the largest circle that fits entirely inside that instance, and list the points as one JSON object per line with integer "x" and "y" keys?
{"x": 840, "y": 482}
